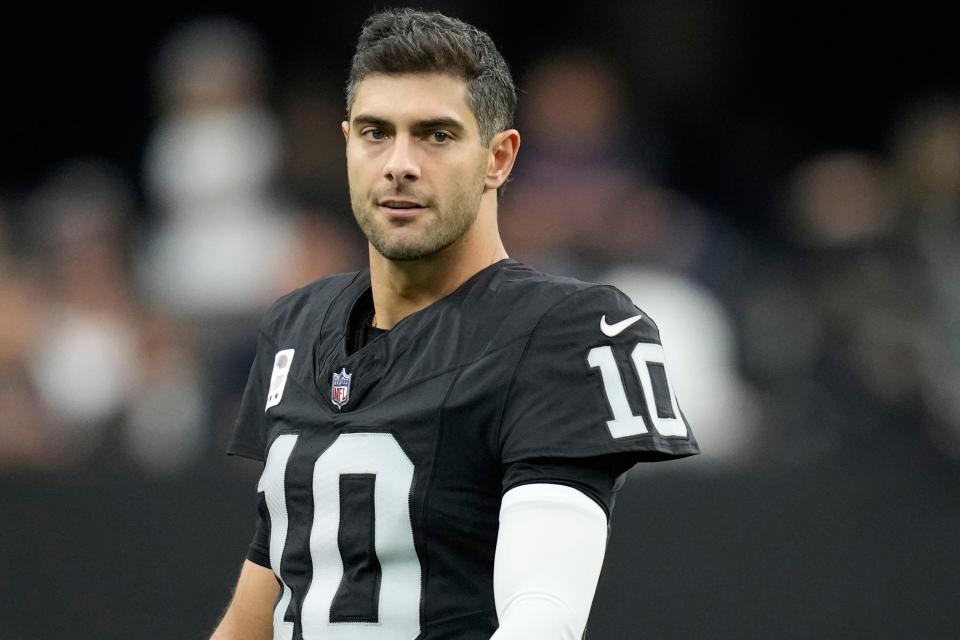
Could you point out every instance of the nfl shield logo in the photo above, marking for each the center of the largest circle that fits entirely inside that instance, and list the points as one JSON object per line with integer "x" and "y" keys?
{"x": 340, "y": 389}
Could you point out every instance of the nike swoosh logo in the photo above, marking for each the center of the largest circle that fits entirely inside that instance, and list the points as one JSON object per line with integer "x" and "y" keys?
{"x": 611, "y": 330}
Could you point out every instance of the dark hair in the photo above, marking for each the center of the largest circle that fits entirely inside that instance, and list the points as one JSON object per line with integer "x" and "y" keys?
{"x": 409, "y": 41}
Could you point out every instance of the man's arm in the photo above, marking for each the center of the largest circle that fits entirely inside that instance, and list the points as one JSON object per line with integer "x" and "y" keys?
{"x": 549, "y": 553}
{"x": 250, "y": 614}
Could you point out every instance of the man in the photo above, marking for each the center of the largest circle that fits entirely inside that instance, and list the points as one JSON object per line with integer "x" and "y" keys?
{"x": 443, "y": 433}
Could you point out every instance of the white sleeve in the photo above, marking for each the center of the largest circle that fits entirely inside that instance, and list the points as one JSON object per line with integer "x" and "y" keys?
{"x": 549, "y": 553}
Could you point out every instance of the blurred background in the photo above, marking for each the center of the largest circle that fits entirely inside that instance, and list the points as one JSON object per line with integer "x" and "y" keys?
{"x": 778, "y": 186}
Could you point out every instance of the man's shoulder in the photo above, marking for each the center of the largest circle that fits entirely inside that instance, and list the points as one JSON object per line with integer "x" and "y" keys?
{"x": 517, "y": 303}
{"x": 533, "y": 291}
{"x": 308, "y": 305}
{"x": 540, "y": 297}
{"x": 523, "y": 276}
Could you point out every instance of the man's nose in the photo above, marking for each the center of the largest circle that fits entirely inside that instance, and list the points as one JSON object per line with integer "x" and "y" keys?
{"x": 402, "y": 164}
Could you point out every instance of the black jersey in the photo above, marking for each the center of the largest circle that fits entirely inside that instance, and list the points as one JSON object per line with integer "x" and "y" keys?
{"x": 385, "y": 465}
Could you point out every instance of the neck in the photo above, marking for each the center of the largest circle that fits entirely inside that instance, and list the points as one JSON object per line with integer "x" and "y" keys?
{"x": 401, "y": 288}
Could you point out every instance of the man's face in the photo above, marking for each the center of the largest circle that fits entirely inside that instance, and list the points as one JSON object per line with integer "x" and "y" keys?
{"x": 415, "y": 163}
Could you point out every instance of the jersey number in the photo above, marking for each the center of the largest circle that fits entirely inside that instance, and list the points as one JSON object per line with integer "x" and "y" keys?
{"x": 361, "y": 500}
{"x": 660, "y": 404}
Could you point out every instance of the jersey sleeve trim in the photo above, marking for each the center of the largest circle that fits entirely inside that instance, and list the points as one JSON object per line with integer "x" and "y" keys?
{"x": 649, "y": 449}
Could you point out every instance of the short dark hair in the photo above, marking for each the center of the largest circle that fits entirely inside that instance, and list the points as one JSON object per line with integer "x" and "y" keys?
{"x": 410, "y": 41}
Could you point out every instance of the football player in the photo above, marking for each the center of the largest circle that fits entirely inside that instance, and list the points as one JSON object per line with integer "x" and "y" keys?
{"x": 442, "y": 433}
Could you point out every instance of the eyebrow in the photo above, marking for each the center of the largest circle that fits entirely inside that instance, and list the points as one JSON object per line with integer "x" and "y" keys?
{"x": 370, "y": 120}
{"x": 438, "y": 123}
{"x": 419, "y": 125}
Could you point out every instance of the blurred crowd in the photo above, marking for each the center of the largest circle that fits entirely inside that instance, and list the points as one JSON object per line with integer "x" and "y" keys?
{"x": 129, "y": 300}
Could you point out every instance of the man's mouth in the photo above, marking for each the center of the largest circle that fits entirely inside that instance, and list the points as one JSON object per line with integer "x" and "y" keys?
{"x": 399, "y": 208}
{"x": 400, "y": 204}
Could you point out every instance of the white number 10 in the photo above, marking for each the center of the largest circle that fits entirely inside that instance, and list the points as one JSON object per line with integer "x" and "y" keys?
{"x": 624, "y": 422}
{"x": 397, "y": 608}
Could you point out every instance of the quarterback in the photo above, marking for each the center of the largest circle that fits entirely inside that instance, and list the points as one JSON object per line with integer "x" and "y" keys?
{"x": 443, "y": 433}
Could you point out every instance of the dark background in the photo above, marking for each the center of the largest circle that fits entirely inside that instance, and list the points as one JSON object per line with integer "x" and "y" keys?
{"x": 743, "y": 90}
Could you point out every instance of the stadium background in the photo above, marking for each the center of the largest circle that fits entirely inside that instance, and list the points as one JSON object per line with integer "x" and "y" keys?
{"x": 779, "y": 186}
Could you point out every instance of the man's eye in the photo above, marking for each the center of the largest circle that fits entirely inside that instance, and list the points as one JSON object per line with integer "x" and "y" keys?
{"x": 439, "y": 136}
{"x": 373, "y": 134}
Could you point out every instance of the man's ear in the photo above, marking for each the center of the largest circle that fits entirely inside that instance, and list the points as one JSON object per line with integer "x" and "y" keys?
{"x": 345, "y": 127}
{"x": 503, "y": 153}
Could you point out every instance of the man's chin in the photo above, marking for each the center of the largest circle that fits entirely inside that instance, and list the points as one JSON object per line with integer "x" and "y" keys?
{"x": 405, "y": 253}
{"x": 409, "y": 251}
